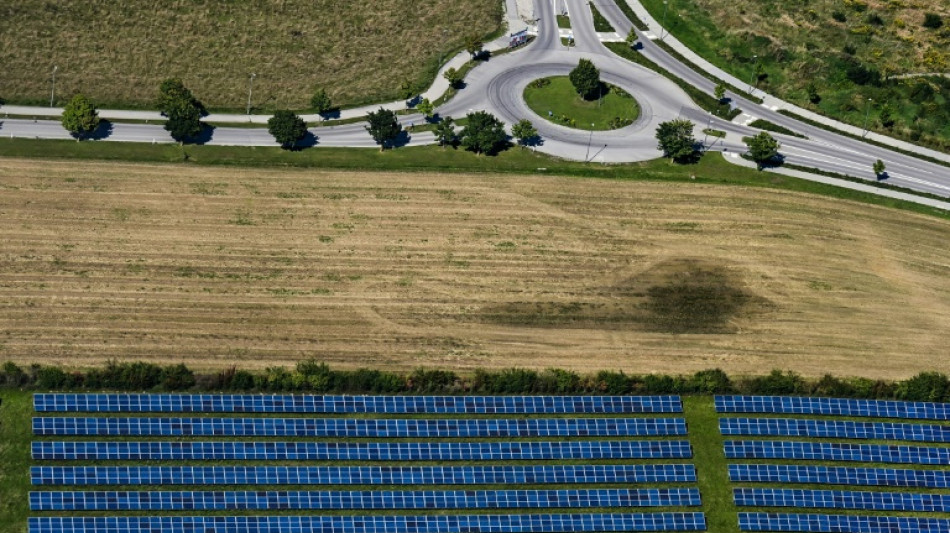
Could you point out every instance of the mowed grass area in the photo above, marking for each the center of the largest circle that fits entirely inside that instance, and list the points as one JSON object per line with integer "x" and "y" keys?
{"x": 557, "y": 96}
{"x": 847, "y": 52}
{"x": 259, "y": 266}
{"x": 118, "y": 53}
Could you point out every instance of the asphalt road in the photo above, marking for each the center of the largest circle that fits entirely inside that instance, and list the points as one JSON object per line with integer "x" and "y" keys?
{"x": 497, "y": 87}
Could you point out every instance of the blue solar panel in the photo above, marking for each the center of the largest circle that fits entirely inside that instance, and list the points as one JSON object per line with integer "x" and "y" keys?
{"x": 350, "y": 427}
{"x": 832, "y": 407}
{"x": 285, "y": 403}
{"x": 841, "y": 429}
{"x": 842, "y": 499}
{"x": 820, "y": 523}
{"x": 836, "y": 451}
{"x": 367, "y": 475}
{"x": 828, "y": 475}
{"x": 299, "y": 500}
{"x": 360, "y": 451}
{"x": 509, "y": 523}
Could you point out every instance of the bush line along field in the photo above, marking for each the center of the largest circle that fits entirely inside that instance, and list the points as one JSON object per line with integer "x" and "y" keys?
{"x": 261, "y": 267}
{"x": 118, "y": 53}
{"x": 832, "y": 56}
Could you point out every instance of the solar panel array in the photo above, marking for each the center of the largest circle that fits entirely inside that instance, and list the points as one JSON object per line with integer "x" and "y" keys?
{"x": 578, "y": 439}
{"x": 285, "y": 403}
{"x": 836, "y": 451}
{"x": 841, "y": 429}
{"x": 822, "y": 523}
{"x": 360, "y": 451}
{"x": 842, "y": 499}
{"x": 832, "y": 407}
{"x": 349, "y": 427}
{"x": 546, "y": 523}
{"x": 297, "y": 500}
{"x": 871, "y": 501}
{"x": 361, "y": 475}
{"x": 837, "y": 475}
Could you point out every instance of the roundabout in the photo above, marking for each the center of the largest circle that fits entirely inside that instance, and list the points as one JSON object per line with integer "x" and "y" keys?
{"x": 556, "y": 100}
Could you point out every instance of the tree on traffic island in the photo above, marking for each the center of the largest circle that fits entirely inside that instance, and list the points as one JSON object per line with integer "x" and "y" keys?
{"x": 879, "y": 168}
{"x": 762, "y": 148}
{"x": 586, "y": 79}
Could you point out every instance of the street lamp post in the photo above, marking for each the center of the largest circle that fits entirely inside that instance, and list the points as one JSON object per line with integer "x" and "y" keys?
{"x": 52, "y": 90}
{"x": 250, "y": 91}
{"x": 867, "y": 115}
{"x": 442, "y": 47}
{"x": 666, "y": 5}
{"x": 755, "y": 67}
{"x": 589, "y": 139}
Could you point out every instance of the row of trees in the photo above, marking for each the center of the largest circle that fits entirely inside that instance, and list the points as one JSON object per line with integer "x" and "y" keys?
{"x": 483, "y": 133}
{"x": 317, "y": 377}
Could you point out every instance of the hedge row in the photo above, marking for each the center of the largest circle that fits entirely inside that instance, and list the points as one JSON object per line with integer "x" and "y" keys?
{"x": 315, "y": 377}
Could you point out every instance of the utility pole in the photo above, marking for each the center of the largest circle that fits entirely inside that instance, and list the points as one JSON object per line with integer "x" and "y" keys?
{"x": 52, "y": 90}
{"x": 666, "y": 5}
{"x": 250, "y": 90}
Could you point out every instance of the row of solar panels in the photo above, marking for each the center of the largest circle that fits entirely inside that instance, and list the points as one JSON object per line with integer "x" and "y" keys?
{"x": 822, "y": 523}
{"x": 364, "y": 475}
{"x": 832, "y": 407}
{"x": 842, "y": 499}
{"x": 342, "y": 427}
{"x": 360, "y": 451}
{"x": 309, "y": 500}
{"x": 835, "y": 475}
{"x": 836, "y": 451}
{"x": 511, "y": 523}
{"x": 841, "y": 429}
{"x": 284, "y": 403}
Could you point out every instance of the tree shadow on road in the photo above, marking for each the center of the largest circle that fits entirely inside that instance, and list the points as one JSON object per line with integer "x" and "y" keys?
{"x": 204, "y": 136}
{"x": 309, "y": 141}
{"x": 102, "y": 131}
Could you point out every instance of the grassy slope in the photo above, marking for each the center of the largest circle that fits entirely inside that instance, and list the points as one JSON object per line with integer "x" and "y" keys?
{"x": 117, "y": 53}
{"x": 15, "y": 413}
{"x": 798, "y": 43}
{"x": 560, "y": 98}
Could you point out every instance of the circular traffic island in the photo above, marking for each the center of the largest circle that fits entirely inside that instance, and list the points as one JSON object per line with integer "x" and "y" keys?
{"x": 556, "y": 100}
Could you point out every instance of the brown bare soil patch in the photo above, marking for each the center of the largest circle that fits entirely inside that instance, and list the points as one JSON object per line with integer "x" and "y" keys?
{"x": 258, "y": 267}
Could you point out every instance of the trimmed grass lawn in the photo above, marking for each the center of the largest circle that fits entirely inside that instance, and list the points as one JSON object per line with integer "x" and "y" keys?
{"x": 616, "y": 108}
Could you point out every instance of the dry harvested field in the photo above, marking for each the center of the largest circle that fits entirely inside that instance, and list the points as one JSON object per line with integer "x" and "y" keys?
{"x": 256, "y": 267}
{"x": 117, "y": 53}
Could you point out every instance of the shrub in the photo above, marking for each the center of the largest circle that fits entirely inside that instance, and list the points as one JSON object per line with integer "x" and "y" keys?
{"x": 932, "y": 21}
{"x": 777, "y": 382}
{"x": 178, "y": 377}
{"x": 13, "y": 375}
{"x": 558, "y": 381}
{"x": 839, "y": 16}
{"x": 423, "y": 380}
{"x": 51, "y": 378}
{"x": 713, "y": 381}
{"x": 924, "y": 387}
{"x": 608, "y": 382}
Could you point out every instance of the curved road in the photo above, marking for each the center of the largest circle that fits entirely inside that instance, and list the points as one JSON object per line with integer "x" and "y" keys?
{"x": 497, "y": 87}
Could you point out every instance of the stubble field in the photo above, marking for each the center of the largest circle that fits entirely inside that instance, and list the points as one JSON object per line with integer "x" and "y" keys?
{"x": 257, "y": 267}
{"x": 117, "y": 53}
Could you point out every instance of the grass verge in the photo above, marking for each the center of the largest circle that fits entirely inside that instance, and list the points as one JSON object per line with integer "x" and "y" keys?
{"x": 703, "y": 100}
{"x": 763, "y": 124}
{"x": 713, "y": 169}
{"x": 601, "y": 24}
